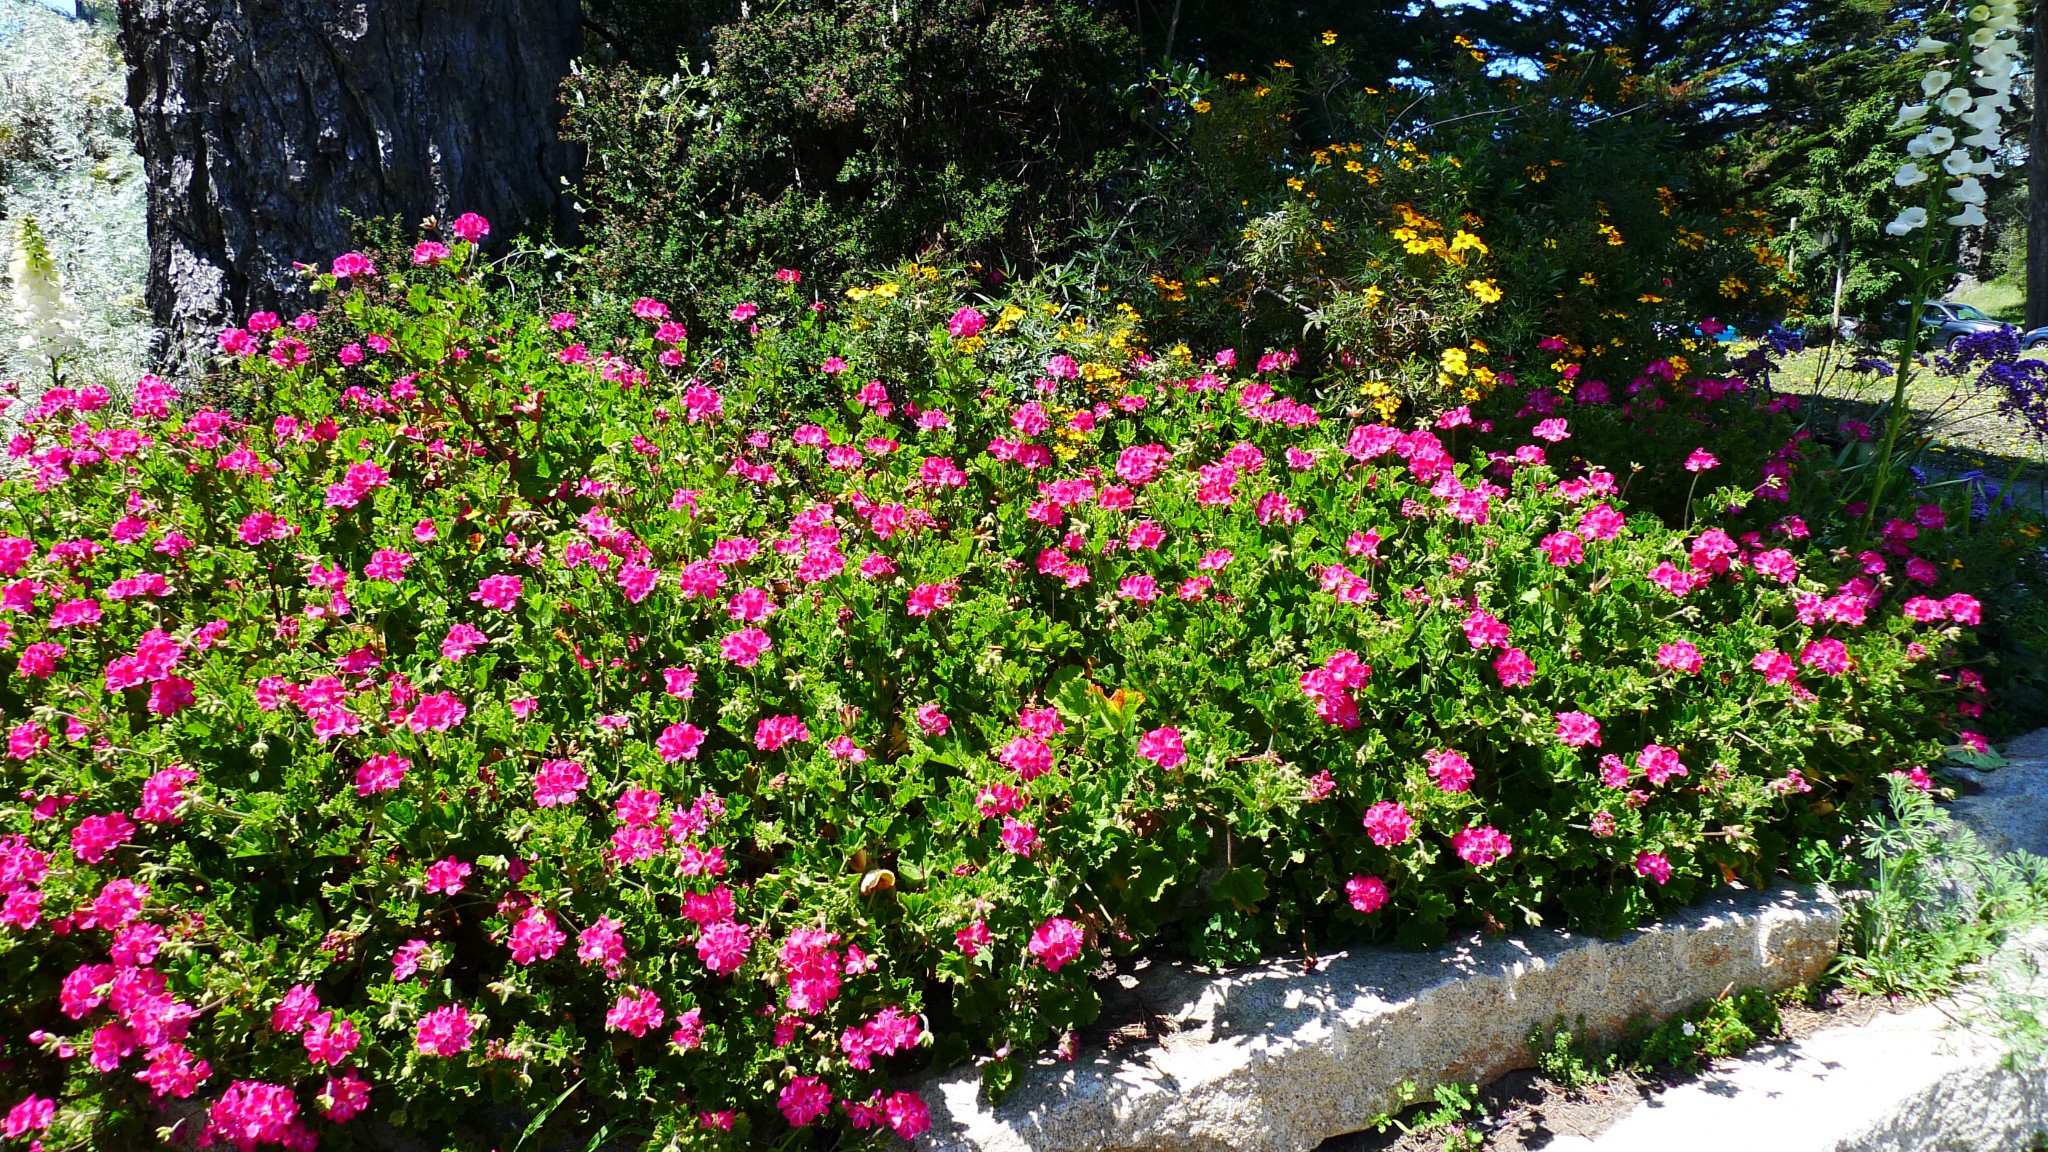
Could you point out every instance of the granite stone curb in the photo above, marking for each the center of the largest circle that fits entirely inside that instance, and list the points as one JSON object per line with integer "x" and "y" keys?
{"x": 1927, "y": 1077}
{"x": 2009, "y": 810}
{"x": 1272, "y": 1059}
{"x": 1905, "y": 1081}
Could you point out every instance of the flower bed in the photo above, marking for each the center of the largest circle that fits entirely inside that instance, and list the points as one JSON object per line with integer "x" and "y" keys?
{"x": 481, "y": 715}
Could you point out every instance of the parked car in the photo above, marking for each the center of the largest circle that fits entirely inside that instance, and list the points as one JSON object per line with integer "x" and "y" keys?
{"x": 1944, "y": 322}
{"x": 2037, "y": 338}
{"x": 1768, "y": 332}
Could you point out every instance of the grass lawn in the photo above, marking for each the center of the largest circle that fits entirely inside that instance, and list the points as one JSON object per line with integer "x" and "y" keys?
{"x": 2000, "y": 299}
{"x": 1966, "y": 428}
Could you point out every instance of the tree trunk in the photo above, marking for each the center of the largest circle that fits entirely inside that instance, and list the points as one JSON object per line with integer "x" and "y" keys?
{"x": 2037, "y": 182}
{"x": 264, "y": 125}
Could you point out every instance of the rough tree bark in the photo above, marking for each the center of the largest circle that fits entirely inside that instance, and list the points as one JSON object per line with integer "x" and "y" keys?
{"x": 2037, "y": 183}
{"x": 264, "y": 124}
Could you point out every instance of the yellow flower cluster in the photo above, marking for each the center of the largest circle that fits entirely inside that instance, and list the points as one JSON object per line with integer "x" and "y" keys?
{"x": 1381, "y": 396}
{"x": 1422, "y": 236}
{"x": 1455, "y": 370}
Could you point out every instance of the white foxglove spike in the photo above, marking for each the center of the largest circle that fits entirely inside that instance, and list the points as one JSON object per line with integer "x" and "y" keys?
{"x": 1986, "y": 59}
{"x": 44, "y": 314}
{"x": 1933, "y": 142}
{"x": 1996, "y": 57}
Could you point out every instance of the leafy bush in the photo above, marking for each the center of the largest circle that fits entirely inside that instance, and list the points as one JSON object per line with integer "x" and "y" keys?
{"x": 1567, "y": 1058}
{"x": 1414, "y": 243}
{"x": 837, "y": 136}
{"x": 1937, "y": 902}
{"x": 1452, "y": 1109}
{"x": 1420, "y": 242}
{"x": 484, "y": 716}
{"x": 1719, "y": 1028}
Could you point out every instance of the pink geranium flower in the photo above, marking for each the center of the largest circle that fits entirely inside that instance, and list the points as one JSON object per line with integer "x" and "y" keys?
{"x": 1480, "y": 845}
{"x": 1577, "y": 730}
{"x": 803, "y": 1100}
{"x": 1388, "y": 823}
{"x": 1163, "y": 747}
{"x": 1368, "y": 894}
{"x": 1056, "y": 942}
{"x": 445, "y": 1031}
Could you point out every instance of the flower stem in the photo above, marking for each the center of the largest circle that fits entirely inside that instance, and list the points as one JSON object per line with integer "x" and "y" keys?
{"x": 1909, "y": 342}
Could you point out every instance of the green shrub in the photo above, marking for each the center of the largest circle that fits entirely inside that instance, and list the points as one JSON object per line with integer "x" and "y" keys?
{"x": 490, "y": 717}
{"x": 1936, "y": 905}
{"x": 837, "y": 136}
{"x": 1417, "y": 242}
{"x": 1712, "y": 1031}
{"x": 1449, "y": 1109}
{"x": 1566, "y": 1059}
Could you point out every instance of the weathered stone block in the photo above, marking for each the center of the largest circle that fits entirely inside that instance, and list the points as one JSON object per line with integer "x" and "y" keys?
{"x": 1272, "y": 1059}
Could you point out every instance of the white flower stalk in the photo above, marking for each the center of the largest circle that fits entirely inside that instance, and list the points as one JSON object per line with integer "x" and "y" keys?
{"x": 1988, "y": 139}
{"x": 1984, "y": 57}
{"x": 1985, "y": 117}
{"x": 1911, "y": 218}
{"x": 44, "y": 314}
{"x": 1933, "y": 142}
{"x": 1981, "y": 58}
